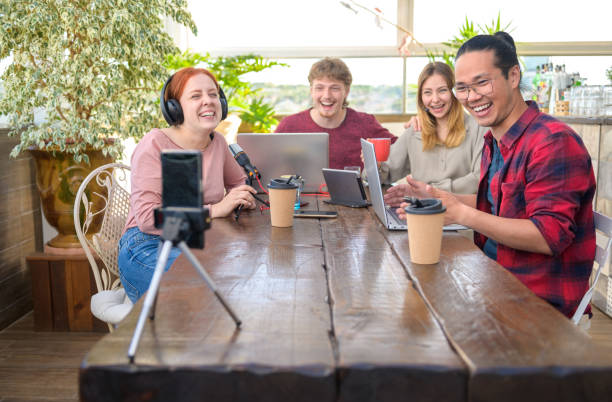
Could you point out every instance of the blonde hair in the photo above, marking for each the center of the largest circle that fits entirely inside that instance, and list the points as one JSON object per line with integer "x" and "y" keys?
{"x": 456, "y": 126}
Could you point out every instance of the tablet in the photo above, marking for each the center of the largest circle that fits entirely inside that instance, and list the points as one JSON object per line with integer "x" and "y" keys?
{"x": 345, "y": 188}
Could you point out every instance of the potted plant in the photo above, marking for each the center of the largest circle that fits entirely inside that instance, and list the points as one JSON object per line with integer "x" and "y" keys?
{"x": 93, "y": 71}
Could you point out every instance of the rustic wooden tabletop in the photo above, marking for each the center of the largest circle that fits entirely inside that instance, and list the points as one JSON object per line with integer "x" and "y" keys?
{"x": 333, "y": 309}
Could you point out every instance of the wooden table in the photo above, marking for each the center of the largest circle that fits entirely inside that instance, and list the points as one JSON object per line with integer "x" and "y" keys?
{"x": 334, "y": 310}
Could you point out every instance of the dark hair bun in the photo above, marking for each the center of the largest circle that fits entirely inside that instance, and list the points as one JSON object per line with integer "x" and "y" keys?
{"x": 504, "y": 36}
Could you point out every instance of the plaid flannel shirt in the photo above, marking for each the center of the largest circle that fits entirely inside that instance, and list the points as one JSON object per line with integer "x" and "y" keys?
{"x": 547, "y": 177}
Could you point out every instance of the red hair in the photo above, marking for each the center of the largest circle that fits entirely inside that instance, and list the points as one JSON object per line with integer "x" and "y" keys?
{"x": 179, "y": 80}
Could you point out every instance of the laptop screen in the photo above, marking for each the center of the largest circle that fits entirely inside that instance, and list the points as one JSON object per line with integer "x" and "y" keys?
{"x": 274, "y": 155}
{"x": 376, "y": 196}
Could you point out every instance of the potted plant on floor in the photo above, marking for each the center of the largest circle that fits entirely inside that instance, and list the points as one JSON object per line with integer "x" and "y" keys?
{"x": 92, "y": 70}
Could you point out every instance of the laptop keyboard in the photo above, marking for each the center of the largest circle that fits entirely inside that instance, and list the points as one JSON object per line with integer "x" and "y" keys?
{"x": 393, "y": 215}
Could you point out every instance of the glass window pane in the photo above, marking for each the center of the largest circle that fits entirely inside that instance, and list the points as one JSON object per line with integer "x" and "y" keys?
{"x": 292, "y": 23}
{"x": 539, "y": 21}
{"x": 376, "y": 88}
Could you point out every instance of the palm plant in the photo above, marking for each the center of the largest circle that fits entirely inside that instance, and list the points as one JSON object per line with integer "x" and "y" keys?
{"x": 466, "y": 32}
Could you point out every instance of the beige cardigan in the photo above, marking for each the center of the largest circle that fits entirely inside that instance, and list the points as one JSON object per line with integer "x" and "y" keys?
{"x": 451, "y": 169}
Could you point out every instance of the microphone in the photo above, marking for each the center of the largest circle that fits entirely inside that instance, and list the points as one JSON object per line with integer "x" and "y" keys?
{"x": 244, "y": 161}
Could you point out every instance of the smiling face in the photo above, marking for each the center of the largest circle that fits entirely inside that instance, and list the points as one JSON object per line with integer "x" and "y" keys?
{"x": 200, "y": 104}
{"x": 436, "y": 96}
{"x": 491, "y": 97}
{"x": 328, "y": 96}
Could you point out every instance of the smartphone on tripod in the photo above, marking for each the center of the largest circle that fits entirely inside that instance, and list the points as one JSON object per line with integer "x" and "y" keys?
{"x": 182, "y": 192}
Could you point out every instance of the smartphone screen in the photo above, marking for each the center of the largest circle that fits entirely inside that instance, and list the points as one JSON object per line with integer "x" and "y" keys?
{"x": 181, "y": 178}
{"x": 315, "y": 214}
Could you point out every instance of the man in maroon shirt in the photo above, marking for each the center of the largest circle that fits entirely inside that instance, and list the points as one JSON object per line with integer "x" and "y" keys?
{"x": 330, "y": 83}
{"x": 533, "y": 212}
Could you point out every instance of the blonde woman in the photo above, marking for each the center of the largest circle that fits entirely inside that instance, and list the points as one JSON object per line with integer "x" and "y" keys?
{"x": 446, "y": 152}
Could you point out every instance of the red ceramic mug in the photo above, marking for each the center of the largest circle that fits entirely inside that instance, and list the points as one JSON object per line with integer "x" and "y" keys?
{"x": 382, "y": 147}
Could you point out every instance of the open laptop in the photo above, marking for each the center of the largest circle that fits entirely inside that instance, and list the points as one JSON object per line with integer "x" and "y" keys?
{"x": 279, "y": 154}
{"x": 385, "y": 213}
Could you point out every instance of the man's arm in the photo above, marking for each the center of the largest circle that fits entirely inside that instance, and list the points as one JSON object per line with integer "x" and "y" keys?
{"x": 414, "y": 188}
{"x": 521, "y": 234}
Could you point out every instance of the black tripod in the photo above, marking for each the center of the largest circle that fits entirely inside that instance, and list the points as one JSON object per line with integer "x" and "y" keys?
{"x": 179, "y": 224}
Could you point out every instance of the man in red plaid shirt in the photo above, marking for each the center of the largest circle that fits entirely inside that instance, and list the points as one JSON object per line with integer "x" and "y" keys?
{"x": 533, "y": 211}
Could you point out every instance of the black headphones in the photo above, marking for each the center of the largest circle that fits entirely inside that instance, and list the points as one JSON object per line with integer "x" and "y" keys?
{"x": 172, "y": 111}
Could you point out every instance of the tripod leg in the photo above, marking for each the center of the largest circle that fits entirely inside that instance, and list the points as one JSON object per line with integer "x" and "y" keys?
{"x": 152, "y": 312}
{"x": 196, "y": 264}
{"x": 150, "y": 298}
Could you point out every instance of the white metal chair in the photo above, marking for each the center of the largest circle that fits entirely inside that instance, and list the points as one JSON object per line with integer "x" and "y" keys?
{"x": 603, "y": 224}
{"x": 107, "y": 199}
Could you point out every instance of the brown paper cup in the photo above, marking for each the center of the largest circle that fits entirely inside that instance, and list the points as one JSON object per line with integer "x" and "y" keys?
{"x": 425, "y": 237}
{"x": 281, "y": 207}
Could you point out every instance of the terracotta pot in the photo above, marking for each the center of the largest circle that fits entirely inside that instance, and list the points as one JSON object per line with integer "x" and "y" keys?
{"x": 58, "y": 178}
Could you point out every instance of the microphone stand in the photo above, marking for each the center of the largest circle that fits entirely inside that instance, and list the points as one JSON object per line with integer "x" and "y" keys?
{"x": 249, "y": 181}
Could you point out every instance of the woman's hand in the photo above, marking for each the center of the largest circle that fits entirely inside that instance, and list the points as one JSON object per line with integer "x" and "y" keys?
{"x": 241, "y": 195}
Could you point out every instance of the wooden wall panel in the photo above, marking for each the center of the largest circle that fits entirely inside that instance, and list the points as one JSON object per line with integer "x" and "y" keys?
{"x": 20, "y": 230}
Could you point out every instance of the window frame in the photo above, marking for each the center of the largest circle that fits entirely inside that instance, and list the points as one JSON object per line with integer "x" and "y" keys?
{"x": 405, "y": 13}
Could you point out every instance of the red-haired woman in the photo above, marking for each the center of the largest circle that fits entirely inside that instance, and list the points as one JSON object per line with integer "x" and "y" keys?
{"x": 192, "y": 107}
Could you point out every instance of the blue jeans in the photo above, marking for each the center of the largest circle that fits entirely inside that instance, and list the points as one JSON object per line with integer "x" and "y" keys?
{"x": 138, "y": 254}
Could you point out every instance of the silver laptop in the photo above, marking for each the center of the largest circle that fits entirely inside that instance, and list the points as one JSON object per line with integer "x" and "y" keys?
{"x": 385, "y": 213}
{"x": 279, "y": 154}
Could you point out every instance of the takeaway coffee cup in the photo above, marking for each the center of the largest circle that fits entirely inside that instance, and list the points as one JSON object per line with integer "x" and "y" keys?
{"x": 425, "y": 220}
{"x": 282, "y": 199}
{"x": 382, "y": 146}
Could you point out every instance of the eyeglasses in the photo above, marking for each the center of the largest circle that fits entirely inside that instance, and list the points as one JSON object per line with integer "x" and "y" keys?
{"x": 482, "y": 88}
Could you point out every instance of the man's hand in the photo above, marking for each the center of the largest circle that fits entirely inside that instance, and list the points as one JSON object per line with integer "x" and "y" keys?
{"x": 414, "y": 123}
{"x": 412, "y": 188}
{"x": 455, "y": 209}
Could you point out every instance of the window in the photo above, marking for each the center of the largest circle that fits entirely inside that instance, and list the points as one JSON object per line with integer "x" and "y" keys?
{"x": 537, "y": 21}
{"x": 288, "y": 24}
{"x": 376, "y": 87}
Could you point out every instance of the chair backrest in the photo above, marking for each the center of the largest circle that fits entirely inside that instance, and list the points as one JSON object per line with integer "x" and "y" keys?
{"x": 603, "y": 224}
{"x": 100, "y": 211}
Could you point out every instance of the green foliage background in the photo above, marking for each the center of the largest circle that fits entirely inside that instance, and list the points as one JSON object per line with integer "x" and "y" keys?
{"x": 94, "y": 66}
{"x": 466, "y": 32}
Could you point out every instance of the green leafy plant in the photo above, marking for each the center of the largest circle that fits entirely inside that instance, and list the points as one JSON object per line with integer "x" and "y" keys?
{"x": 259, "y": 115}
{"x": 466, "y": 32}
{"x": 243, "y": 98}
{"x": 94, "y": 69}
{"x": 609, "y": 74}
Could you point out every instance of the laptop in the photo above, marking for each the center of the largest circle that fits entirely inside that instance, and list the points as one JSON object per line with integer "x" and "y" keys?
{"x": 345, "y": 188}
{"x": 280, "y": 154}
{"x": 385, "y": 213}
